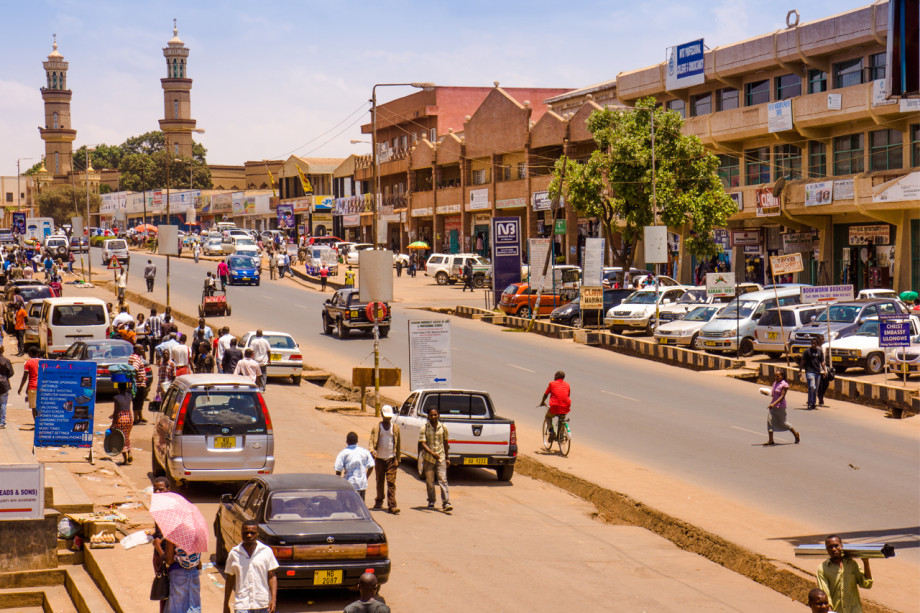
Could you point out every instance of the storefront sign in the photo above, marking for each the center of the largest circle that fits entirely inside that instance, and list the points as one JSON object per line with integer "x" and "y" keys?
{"x": 479, "y": 199}
{"x": 390, "y": 217}
{"x": 751, "y": 249}
{"x": 720, "y": 284}
{"x": 302, "y": 205}
{"x": 685, "y": 66}
{"x": 541, "y": 201}
{"x": 745, "y": 237}
{"x": 511, "y": 203}
{"x": 559, "y": 227}
{"x": 844, "y": 189}
{"x": 877, "y": 234}
{"x": 786, "y": 264}
{"x": 902, "y": 189}
{"x": 594, "y": 261}
{"x": 767, "y": 203}
{"x": 506, "y": 253}
{"x": 738, "y": 197}
{"x": 779, "y": 116}
{"x": 819, "y": 193}
{"x": 66, "y": 400}
{"x": 826, "y": 293}
{"x": 22, "y": 491}
{"x": 429, "y": 354}
{"x": 422, "y": 212}
{"x": 592, "y": 298}
{"x": 452, "y": 222}
{"x": 449, "y": 208}
{"x": 894, "y": 334}
{"x": 909, "y": 105}
{"x": 797, "y": 242}
{"x": 351, "y": 221}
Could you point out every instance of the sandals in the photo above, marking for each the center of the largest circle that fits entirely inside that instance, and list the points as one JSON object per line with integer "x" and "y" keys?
{"x": 769, "y": 444}
{"x": 797, "y": 438}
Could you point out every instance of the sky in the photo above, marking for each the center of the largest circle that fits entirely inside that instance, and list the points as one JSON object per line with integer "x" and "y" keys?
{"x": 275, "y": 78}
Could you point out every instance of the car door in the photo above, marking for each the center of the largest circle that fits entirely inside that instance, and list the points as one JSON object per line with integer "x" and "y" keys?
{"x": 409, "y": 425}
{"x": 163, "y": 429}
{"x": 233, "y": 515}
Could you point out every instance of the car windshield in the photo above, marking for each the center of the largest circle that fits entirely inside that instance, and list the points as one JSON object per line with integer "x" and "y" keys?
{"x": 223, "y": 413}
{"x": 34, "y": 292}
{"x": 640, "y": 298}
{"x": 869, "y": 328}
{"x": 732, "y": 310}
{"x": 693, "y": 296}
{"x": 315, "y": 505}
{"x": 116, "y": 245}
{"x": 701, "y": 313}
{"x": 279, "y": 341}
{"x": 245, "y": 242}
{"x": 840, "y": 313}
{"x": 97, "y": 351}
{"x": 241, "y": 262}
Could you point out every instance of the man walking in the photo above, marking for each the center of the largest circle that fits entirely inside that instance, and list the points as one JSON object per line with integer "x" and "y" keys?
{"x": 181, "y": 355}
{"x": 30, "y": 375}
{"x": 384, "y": 446}
{"x": 468, "y": 275}
{"x": 287, "y": 264}
{"x": 247, "y": 367}
{"x": 6, "y": 375}
{"x": 121, "y": 283}
{"x": 223, "y": 343}
{"x": 433, "y": 438}
{"x": 840, "y": 577}
{"x": 261, "y": 353}
{"x": 250, "y": 570}
{"x": 154, "y": 332}
{"x": 136, "y": 360}
{"x": 812, "y": 362}
{"x": 356, "y": 463}
{"x": 150, "y": 273}
{"x": 20, "y": 326}
{"x": 223, "y": 271}
{"x": 232, "y": 357}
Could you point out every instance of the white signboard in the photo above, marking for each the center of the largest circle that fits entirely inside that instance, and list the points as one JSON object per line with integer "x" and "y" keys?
{"x": 834, "y": 102}
{"x": 720, "y": 284}
{"x": 745, "y": 237}
{"x": 382, "y": 231}
{"x": 479, "y": 199}
{"x": 539, "y": 248}
{"x": 429, "y": 354}
{"x": 786, "y": 264}
{"x": 168, "y": 240}
{"x": 594, "y": 262}
{"x": 376, "y": 275}
{"x": 655, "y": 239}
{"x": 880, "y": 93}
{"x": 779, "y": 116}
{"x": 797, "y": 242}
{"x": 422, "y": 212}
{"x": 909, "y": 105}
{"x": 824, "y": 293}
{"x": 844, "y": 189}
{"x": 819, "y": 193}
{"x": 902, "y": 189}
{"x": 22, "y": 491}
{"x": 686, "y": 65}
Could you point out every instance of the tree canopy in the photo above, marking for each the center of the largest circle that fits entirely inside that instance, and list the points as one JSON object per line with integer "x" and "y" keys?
{"x": 615, "y": 183}
{"x": 66, "y": 202}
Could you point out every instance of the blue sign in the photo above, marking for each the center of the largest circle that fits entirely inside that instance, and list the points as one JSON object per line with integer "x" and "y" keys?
{"x": 506, "y": 253}
{"x": 66, "y": 401}
{"x": 894, "y": 334}
{"x": 686, "y": 65}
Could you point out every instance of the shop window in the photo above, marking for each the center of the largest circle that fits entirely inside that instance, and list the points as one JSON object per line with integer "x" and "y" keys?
{"x": 787, "y": 86}
{"x": 479, "y": 177}
{"x": 757, "y": 166}
{"x": 729, "y": 171}
{"x": 787, "y": 159}
{"x": 817, "y": 81}
{"x": 701, "y": 104}
{"x": 877, "y": 66}
{"x": 817, "y": 160}
{"x": 915, "y": 145}
{"x": 885, "y": 150}
{"x": 848, "y": 154}
{"x": 757, "y": 92}
{"x": 848, "y": 73}
{"x": 726, "y": 99}
{"x": 677, "y": 105}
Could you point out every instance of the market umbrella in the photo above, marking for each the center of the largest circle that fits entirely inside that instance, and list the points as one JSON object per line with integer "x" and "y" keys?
{"x": 180, "y": 521}
{"x": 146, "y": 228}
{"x": 419, "y": 245}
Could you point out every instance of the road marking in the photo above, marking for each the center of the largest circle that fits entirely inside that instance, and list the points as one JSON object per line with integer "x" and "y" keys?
{"x": 302, "y": 306}
{"x": 746, "y": 430}
{"x": 520, "y": 368}
{"x": 619, "y": 395}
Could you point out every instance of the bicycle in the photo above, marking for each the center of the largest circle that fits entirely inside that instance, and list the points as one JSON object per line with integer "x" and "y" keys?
{"x": 563, "y": 435}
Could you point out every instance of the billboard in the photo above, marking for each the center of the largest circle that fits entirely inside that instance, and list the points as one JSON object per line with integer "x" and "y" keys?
{"x": 685, "y": 66}
{"x": 66, "y": 401}
{"x": 506, "y": 253}
{"x": 285, "y": 216}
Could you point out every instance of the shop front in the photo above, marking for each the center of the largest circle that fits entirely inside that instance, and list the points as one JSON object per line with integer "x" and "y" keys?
{"x": 864, "y": 254}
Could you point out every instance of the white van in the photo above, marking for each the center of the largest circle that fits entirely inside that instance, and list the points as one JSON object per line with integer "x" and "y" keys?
{"x": 115, "y": 248}
{"x": 64, "y": 321}
{"x": 736, "y": 324}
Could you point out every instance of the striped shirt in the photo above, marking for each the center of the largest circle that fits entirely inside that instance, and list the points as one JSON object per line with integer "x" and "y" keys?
{"x": 155, "y": 327}
{"x": 140, "y": 372}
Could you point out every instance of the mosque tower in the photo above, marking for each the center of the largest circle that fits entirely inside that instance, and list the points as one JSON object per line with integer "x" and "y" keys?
{"x": 177, "y": 125}
{"x": 57, "y": 133}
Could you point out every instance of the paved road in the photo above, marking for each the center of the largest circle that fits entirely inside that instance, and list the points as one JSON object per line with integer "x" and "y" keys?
{"x": 854, "y": 471}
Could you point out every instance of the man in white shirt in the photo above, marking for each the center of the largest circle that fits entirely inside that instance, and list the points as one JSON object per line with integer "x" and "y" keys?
{"x": 247, "y": 367}
{"x": 181, "y": 355}
{"x": 163, "y": 349}
{"x": 250, "y": 571}
{"x": 223, "y": 343}
{"x": 355, "y": 464}
{"x": 121, "y": 283}
{"x": 261, "y": 353}
{"x": 122, "y": 318}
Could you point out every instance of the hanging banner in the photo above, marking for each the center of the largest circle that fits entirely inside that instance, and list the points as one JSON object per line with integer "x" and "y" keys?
{"x": 66, "y": 400}
{"x": 19, "y": 224}
{"x": 767, "y": 203}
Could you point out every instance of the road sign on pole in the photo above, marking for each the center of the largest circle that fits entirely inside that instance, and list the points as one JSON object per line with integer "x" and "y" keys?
{"x": 720, "y": 284}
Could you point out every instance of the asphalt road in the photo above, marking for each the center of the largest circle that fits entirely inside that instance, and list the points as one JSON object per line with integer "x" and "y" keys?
{"x": 853, "y": 472}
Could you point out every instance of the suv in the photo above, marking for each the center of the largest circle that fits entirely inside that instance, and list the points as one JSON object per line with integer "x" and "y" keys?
{"x": 213, "y": 428}
{"x": 345, "y": 312}
{"x": 845, "y": 319}
{"x": 115, "y": 248}
{"x": 6, "y": 236}
{"x": 775, "y": 327}
{"x": 448, "y": 267}
{"x": 31, "y": 289}
{"x": 57, "y": 246}
{"x": 637, "y": 311}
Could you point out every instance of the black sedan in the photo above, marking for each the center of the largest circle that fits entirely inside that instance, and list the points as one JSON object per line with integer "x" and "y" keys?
{"x": 570, "y": 314}
{"x": 317, "y": 526}
{"x": 105, "y": 353}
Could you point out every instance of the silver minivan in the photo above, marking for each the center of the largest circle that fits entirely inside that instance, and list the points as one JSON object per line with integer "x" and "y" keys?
{"x": 771, "y": 335}
{"x": 735, "y": 325}
{"x": 213, "y": 428}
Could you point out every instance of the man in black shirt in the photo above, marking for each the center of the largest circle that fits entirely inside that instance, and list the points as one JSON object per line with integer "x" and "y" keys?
{"x": 812, "y": 362}
{"x": 232, "y": 355}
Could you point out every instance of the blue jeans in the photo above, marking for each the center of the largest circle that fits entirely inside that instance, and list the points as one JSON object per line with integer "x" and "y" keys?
{"x": 184, "y": 591}
{"x": 3, "y": 400}
{"x": 813, "y": 379}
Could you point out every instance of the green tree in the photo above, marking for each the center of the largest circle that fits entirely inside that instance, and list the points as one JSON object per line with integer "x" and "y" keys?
{"x": 141, "y": 172}
{"x": 65, "y": 202}
{"x": 615, "y": 183}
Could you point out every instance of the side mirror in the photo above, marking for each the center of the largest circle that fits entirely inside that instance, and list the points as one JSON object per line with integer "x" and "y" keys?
{"x": 226, "y": 499}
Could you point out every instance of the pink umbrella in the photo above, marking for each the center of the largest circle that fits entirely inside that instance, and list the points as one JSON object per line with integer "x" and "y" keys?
{"x": 180, "y": 521}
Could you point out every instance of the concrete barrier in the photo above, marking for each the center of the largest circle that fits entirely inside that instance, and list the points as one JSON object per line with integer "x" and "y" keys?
{"x": 669, "y": 354}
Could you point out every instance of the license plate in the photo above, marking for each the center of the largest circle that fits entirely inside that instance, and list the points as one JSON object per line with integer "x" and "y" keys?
{"x": 224, "y": 442}
{"x": 772, "y": 335}
{"x": 276, "y": 357}
{"x": 664, "y": 341}
{"x": 709, "y": 343}
{"x": 354, "y": 313}
{"x": 837, "y": 358}
{"x": 327, "y": 577}
{"x": 479, "y": 461}
{"x": 619, "y": 322}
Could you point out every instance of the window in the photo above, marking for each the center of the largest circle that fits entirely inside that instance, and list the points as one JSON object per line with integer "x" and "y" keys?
{"x": 757, "y": 92}
{"x": 817, "y": 81}
{"x": 915, "y": 145}
{"x": 729, "y": 171}
{"x": 787, "y": 86}
{"x": 877, "y": 66}
{"x": 175, "y": 109}
{"x": 9, "y": 196}
{"x": 848, "y": 154}
{"x": 701, "y": 105}
{"x": 757, "y": 166}
{"x": 726, "y": 99}
{"x": 433, "y": 135}
{"x": 479, "y": 177}
{"x": 787, "y": 159}
{"x": 54, "y": 120}
{"x": 848, "y": 73}
{"x": 521, "y": 170}
{"x": 677, "y": 105}
{"x": 817, "y": 160}
{"x": 885, "y": 150}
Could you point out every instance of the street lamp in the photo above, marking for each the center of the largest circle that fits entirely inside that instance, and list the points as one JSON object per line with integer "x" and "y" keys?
{"x": 376, "y": 160}
{"x": 19, "y": 189}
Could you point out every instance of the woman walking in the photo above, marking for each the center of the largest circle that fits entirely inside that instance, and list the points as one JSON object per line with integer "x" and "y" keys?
{"x": 776, "y": 422}
{"x": 123, "y": 417}
{"x": 184, "y": 584}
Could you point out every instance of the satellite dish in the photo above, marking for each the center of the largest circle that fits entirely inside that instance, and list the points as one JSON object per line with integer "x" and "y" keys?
{"x": 778, "y": 187}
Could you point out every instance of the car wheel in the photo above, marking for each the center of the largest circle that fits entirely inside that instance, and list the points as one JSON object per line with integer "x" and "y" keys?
{"x": 384, "y": 332}
{"x": 227, "y": 311}
{"x": 524, "y": 312}
{"x": 340, "y": 329}
{"x": 441, "y": 278}
{"x": 747, "y": 347}
{"x": 258, "y": 282}
{"x": 875, "y": 363}
{"x": 220, "y": 549}
{"x": 504, "y": 472}
{"x": 295, "y": 379}
{"x": 774, "y": 355}
{"x": 479, "y": 281}
{"x": 695, "y": 342}
{"x": 327, "y": 327}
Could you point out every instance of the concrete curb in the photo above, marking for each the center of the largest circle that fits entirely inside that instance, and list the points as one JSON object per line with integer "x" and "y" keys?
{"x": 92, "y": 568}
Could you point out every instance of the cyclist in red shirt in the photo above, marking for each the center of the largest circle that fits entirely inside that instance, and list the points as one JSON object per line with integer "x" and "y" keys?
{"x": 559, "y": 401}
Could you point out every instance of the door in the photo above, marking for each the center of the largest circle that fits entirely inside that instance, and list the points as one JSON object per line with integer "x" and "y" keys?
{"x": 409, "y": 425}
{"x": 454, "y": 238}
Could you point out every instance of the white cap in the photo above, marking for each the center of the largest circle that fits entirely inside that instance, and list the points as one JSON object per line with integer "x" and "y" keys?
{"x": 386, "y": 411}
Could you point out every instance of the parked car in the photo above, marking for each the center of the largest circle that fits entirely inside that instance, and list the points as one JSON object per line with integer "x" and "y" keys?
{"x": 696, "y": 296}
{"x": 571, "y": 315}
{"x": 243, "y": 269}
{"x": 6, "y": 236}
{"x": 448, "y": 267}
{"x": 686, "y": 330}
{"x": 564, "y": 276}
{"x": 612, "y": 276}
{"x": 733, "y": 328}
{"x": 213, "y": 247}
{"x": 57, "y": 246}
{"x": 862, "y": 349}
{"x": 105, "y": 353}
{"x": 845, "y": 318}
{"x": 906, "y": 360}
{"x": 33, "y": 313}
{"x": 213, "y": 428}
{"x": 79, "y": 244}
{"x": 519, "y": 299}
{"x": 65, "y": 320}
{"x": 286, "y": 356}
{"x": 244, "y": 245}
{"x": 115, "y": 248}
{"x": 30, "y": 289}
{"x": 351, "y": 256}
{"x": 345, "y": 312}
{"x": 478, "y": 437}
{"x": 317, "y": 526}
{"x": 637, "y": 311}
{"x": 774, "y": 329}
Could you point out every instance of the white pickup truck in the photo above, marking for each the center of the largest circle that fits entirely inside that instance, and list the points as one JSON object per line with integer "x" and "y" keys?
{"x": 476, "y": 435}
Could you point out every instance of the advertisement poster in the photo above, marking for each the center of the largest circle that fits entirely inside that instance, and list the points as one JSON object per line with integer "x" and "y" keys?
{"x": 877, "y": 234}
{"x": 844, "y": 189}
{"x": 542, "y": 202}
{"x": 685, "y": 66}
{"x": 285, "y": 216}
{"x": 22, "y": 495}
{"x": 66, "y": 401}
{"x": 19, "y": 224}
{"x": 720, "y": 284}
{"x": 594, "y": 262}
{"x": 786, "y": 264}
{"x": 429, "y": 354}
{"x": 767, "y": 203}
{"x": 539, "y": 249}
{"x": 894, "y": 334}
{"x": 506, "y": 253}
{"x": 819, "y": 193}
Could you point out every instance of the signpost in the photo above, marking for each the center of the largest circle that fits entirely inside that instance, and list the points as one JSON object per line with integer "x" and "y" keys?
{"x": 722, "y": 284}
{"x": 429, "y": 354}
{"x": 784, "y": 265}
{"x": 65, "y": 399}
{"x": 376, "y": 288}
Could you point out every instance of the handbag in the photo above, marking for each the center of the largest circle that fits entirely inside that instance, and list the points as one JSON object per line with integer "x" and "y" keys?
{"x": 159, "y": 590}
{"x": 830, "y": 375}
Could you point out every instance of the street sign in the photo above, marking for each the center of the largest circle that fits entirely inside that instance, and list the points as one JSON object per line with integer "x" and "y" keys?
{"x": 539, "y": 248}
{"x": 786, "y": 264}
{"x": 559, "y": 227}
{"x": 364, "y": 377}
{"x": 824, "y": 293}
{"x": 114, "y": 264}
{"x": 429, "y": 354}
{"x": 168, "y": 240}
{"x": 376, "y": 267}
{"x": 592, "y": 298}
{"x": 894, "y": 334}
{"x": 656, "y": 244}
{"x": 720, "y": 284}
